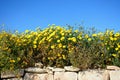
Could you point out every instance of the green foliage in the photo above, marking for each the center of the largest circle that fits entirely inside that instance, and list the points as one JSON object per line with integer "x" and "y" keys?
{"x": 58, "y": 46}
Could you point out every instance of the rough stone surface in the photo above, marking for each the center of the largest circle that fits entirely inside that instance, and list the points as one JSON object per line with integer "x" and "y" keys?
{"x": 113, "y": 68}
{"x": 71, "y": 68}
{"x": 13, "y": 79}
{"x": 12, "y": 74}
{"x": 90, "y": 75}
{"x": 58, "y": 70}
{"x": 65, "y": 76}
{"x": 114, "y": 75}
{"x": 31, "y": 76}
{"x": 36, "y": 70}
{"x": 106, "y": 75}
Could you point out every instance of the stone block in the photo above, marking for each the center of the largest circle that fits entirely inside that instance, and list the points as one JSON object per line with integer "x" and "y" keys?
{"x": 35, "y": 76}
{"x": 90, "y": 75}
{"x": 35, "y": 70}
{"x": 65, "y": 76}
{"x": 114, "y": 75}
{"x": 71, "y": 69}
{"x": 13, "y": 79}
{"x": 12, "y": 74}
{"x": 113, "y": 68}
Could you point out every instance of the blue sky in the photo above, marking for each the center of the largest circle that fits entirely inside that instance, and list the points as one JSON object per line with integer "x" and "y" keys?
{"x": 29, "y": 14}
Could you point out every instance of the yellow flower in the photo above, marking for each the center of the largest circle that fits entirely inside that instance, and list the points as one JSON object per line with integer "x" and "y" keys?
{"x": 57, "y": 36}
{"x": 114, "y": 39}
{"x": 52, "y": 47}
{"x": 114, "y": 55}
{"x": 35, "y": 42}
{"x": 89, "y": 39}
{"x": 117, "y": 34}
{"x": 58, "y": 41}
{"x": 48, "y": 58}
{"x": 76, "y": 31}
{"x": 12, "y": 61}
{"x": 26, "y": 31}
{"x": 60, "y": 45}
{"x": 64, "y": 46}
{"x": 118, "y": 46}
{"x": 94, "y": 35}
{"x": 63, "y": 56}
{"x": 18, "y": 58}
{"x": 34, "y": 46}
{"x": 116, "y": 49}
{"x": 50, "y": 40}
{"x": 73, "y": 39}
{"x": 62, "y": 38}
{"x": 86, "y": 36}
{"x": 111, "y": 38}
{"x": 62, "y": 34}
{"x": 79, "y": 37}
{"x": 111, "y": 33}
{"x": 58, "y": 54}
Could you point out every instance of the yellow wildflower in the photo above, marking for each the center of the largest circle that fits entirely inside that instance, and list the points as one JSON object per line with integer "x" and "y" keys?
{"x": 114, "y": 39}
{"x": 58, "y": 41}
{"x": 73, "y": 39}
{"x": 117, "y": 34}
{"x": 18, "y": 58}
{"x": 62, "y": 38}
{"x": 111, "y": 33}
{"x": 52, "y": 47}
{"x": 34, "y": 46}
{"x": 86, "y": 36}
{"x": 94, "y": 35}
{"x": 60, "y": 45}
{"x": 114, "y": 55}
{"x": 76, "y": 31}
{"x": 62, "y": 34}
{"x": 116, "y": 49}
{"x": 118, "y": 45}
{"x": 79, "y": 37}
{"x": 26, "y": 31}
{"x": 64, "y": 46}
{"x": 111, "y": 38}
{"x": 12, "y": 61}
{"x": 48, "y": 58}
{"x": 63, "y": 56}
{"x": 89, "y": 39}
{"x": 35, "y": 42}
{"x": 57, "y": 36}
{"x": 58, "y": 54}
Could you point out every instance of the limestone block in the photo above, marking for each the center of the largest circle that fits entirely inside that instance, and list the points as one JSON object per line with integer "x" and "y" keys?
{"x": 13, "y": 79}
{"x": 106, "y": 75}
{"x": 58, "y": 70}
{"x": 71, "y": 68}
{"x": 65, "y": 76}
{"x": 35, "y": 76}
{"x": 113, "y": 68}
{"x": 90, "y": 75}
{"x": 114, "y": 75}
{"x": 35, "y": 70}
{"x": 12, "y": 74}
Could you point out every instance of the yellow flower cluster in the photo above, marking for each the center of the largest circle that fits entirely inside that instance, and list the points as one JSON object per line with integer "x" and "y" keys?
{"x": 54, "y": 44}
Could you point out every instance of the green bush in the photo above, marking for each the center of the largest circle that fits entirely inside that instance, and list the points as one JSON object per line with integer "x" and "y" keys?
{"x": 59, "y": 46}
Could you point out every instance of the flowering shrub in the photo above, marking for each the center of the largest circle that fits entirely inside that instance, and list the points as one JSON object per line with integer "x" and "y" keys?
{"x": 58, "y": 46}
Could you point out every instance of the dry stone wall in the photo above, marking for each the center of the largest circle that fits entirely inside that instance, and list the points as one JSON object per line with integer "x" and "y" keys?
{"x": 67, "y": 73}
